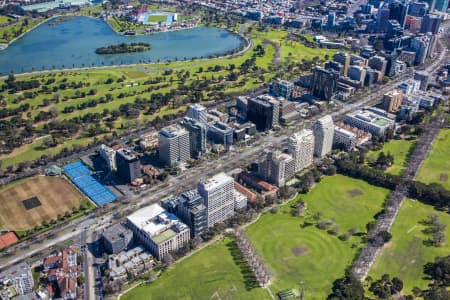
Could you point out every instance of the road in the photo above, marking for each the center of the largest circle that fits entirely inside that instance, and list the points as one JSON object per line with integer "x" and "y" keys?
{"x": 226, "y": 162}
{"x": 188, "y": 179}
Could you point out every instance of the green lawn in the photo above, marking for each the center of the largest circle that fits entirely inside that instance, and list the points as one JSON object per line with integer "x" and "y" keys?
{"x": 436, "y": 168}
{"x": 406, "y": 254}
{"x": 157, "y": 18}
{"x": 399, "y": 149}
{"x": 211, "y": 270}
{"x": 309, "y": 254}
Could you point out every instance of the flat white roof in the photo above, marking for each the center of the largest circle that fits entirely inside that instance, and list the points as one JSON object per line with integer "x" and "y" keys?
{"x": 217, "y": 180}
{"x": 153, "y": 219}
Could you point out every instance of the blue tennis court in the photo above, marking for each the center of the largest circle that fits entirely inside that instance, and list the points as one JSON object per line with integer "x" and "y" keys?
{"x": 80, "y": 175}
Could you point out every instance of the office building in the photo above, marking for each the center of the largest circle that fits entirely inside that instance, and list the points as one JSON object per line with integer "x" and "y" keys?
{"x": 301, "y": 147}
{"x": 323, "y": 136}
{"x": 431, "y": 23}
{"x": 198, "y": 112}
{"x": 398, "y": 12}
{"x": 220, "y": 133}
{"x": 190, "y": 209}
{"x": 357, "y": 73}
{"x": 369, "y": 121}
{"x": 276, "y": 167}
{"x": 197, "y": 136}
{"x": 263, "y": 112}
{"x": 392, "y": 101}
{"x": 158, "y": 230}
{"x": 382, "y": 19}
{"x": 109, "y": 156}
{"x": 394, "y": 29}
{"x": 344, "y": 60}
{"x": 418, "y": 9}
{"x": 241, "y": 105}
{"x": 441, "y": 5}
{"x": 423, "y": 77}
{"x": 378, "y": 63}
{"x": 331, "y": 20}
{"x": 281, "y": 88}
{"x": 335, "y": 66}
{"x": 128, "y": 165}
{"x": 349, "y": 137}
{"x": 218, "y": 196}
{"x": 409, "y": 86}
{"x": 324, "y": 83}
{"x": 117, "y": 238}
{"x": 174, "y": 145}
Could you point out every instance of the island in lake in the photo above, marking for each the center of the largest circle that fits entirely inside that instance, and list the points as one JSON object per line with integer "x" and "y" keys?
{"x": 123, "y": 48}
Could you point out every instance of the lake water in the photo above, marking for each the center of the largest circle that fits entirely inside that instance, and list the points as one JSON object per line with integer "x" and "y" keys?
{"x": 72, "y": 43}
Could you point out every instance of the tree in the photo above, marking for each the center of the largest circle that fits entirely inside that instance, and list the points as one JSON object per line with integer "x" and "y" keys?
{"x": 384, "y": 288}
{"x": 347, "y": 288}
{"x": 439, "y": 270}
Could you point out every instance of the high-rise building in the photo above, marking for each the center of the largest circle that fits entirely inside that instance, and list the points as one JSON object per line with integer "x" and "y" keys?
{"x": 441, "y": 5}
{"x": 128, "y": 165}
{"x": 394, "y": 29}
{"x": 264, "y": 112}
{"x": 198, "y": 112}
{"x": 324, "y": 83}
{"x": 218, "y": 196}
{"x": 109, "y": 155}
{"x": 174, "y": 145}
{"x": 423, "y": 77}
{"x": 190, "y": 209}
{"x": 276, "y": 167}
{"x": 331, "y": 19}
{"x": 197, "y": 136}
{"x": 160, "y": 231}
{"x": 392, "y": 101}
{"x": 301, "y": 147}
{"x": 382, "y": 19}
{"x": 422, "y": 45}
{"x": 398, "y": 11}
{"x": 343, "y": 59}
{"x": 378, "y": 63}
{"x": 220, "y": 133}
{"x": 281, "y": 88}
{"x": 323, "y": 136}
{"x": 418, "y": 9}
{"x": 431, "y": 23}
{"x": 357, "y": 73}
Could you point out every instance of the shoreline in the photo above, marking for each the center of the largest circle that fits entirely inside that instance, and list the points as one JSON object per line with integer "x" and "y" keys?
{"x": 248, "y": 45}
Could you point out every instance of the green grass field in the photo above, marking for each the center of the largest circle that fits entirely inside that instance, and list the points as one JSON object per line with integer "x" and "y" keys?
{"x": 436, "y": 167}
{"x": 406, "y": 254}
{"x": 157, "y": 18}
{"x": 309, "y": 254}
{"x": 399, "y": 149}
{"x": 211, "y": 273}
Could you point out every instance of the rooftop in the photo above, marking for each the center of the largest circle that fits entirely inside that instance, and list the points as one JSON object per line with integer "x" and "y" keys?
{"x": 8, "y": 239}
{"x": 217, "y": 180}
{"x": 172, "y": 131}
{"x": 156, "y": 222}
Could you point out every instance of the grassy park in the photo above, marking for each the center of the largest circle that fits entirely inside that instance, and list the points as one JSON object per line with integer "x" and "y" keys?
{"x": 298, "y": 254}
{"x": 399, "y": 149}
{"x": 157, "y": 18}
{"x": 405, "y": 255}
{"x": 436, "y": 167}
{"x": 103, "y": 91}
{"x": 216, "y": 272}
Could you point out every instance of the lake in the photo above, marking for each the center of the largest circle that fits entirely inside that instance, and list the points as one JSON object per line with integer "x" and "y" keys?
{"x": 71, "y": 43}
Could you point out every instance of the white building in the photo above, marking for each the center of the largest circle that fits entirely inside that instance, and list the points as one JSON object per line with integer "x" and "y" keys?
{"x": 323, "y": 136}
{"x": 301, "y": 147}
{"x": 198, "y": 112}
{"x": 240, "y": 200}
{"x": 109, "y": 155}
{"x": 344, "y": 138}
{"x": 174, "y": 145}
{"x": 409, "y": 86}
{"x": 218, "y": 195}
{"x": 369, "y": 121}
{"x": 158, "y": 230}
